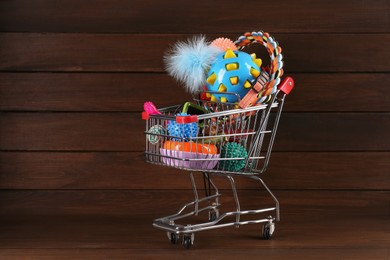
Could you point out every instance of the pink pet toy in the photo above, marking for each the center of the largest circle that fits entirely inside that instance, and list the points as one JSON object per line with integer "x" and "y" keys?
{"x": 151, "y": 109}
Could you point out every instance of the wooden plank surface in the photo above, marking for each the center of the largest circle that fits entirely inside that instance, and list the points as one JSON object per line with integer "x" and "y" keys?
{"x": 136, "y": 232}
{"x": 136, "y": 203}
{"x": 87, "y": 91}
{"x": 127, "y": 170}
{"x": 144, "y": 53}
{"x": 195, "y": 17}
{"x": 122, "y": 220}
{"x": 128, "y": 91}
{"x": 173, "y": 253}
{"x": 124, "y": 132}
{"x": 73, "y": 79}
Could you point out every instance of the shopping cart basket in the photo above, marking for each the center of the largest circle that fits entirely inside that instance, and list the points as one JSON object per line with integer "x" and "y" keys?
{"x": 223, "y": 141}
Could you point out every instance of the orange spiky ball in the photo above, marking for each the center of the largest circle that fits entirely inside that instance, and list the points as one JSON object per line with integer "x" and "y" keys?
{"x": 224, "y": 43}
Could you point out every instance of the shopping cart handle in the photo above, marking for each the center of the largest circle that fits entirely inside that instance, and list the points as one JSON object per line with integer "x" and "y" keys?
{"x": 186, "y": 119}
{"x": 145, "y": 115}
{"x": 287, "y": 85}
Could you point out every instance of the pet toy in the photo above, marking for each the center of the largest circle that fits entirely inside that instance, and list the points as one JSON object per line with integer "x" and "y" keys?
{"x": 151, "y": 109}
{"x": 223, "y": 44}
{"x": 193, "y": 109}
{"x": 190, "y": 155}
{"x": 191, "y": 147}
{"x": 233, "y": 150}
{"x": 155, "y": 132}
{"x": 182, "y": 130}
{"x": 189, "y": 61}
{"x": 267, "y": 84}
{"x": 232, "y": 71}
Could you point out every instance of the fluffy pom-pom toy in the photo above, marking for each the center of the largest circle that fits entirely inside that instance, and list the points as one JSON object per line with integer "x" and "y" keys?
{"x": 189, "y": 62}
{"x": 224, "y": 43}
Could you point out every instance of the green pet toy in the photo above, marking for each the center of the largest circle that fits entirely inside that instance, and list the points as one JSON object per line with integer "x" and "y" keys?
{"x": 233, "y": 150}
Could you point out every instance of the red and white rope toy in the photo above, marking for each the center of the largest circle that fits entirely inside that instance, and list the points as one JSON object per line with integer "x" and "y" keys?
{"x": 269, "y": 79}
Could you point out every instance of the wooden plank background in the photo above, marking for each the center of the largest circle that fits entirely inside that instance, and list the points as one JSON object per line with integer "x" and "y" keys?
{"x": 73, "y": 83}
{"x": 140, "y": 16}
{"x": 74, "y": 76}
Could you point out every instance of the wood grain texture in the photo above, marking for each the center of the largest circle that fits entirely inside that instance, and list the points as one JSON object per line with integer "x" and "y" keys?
{"x": 87, "y": 91}
{"x": 124, "y": 132}
{"x": 194, "y": 17}
{"x": 128, "y": 91}
{"x": 136, "y": 232}
{"x": 127, "y": 170}
{"x": 143, "y": 53}
{"x": 137, "y": 203}
{"x": 173, "y": 253}
{"x": 344, "y": 92}
{"x": 75, "y": 74}
{"x": 122, "y": 220}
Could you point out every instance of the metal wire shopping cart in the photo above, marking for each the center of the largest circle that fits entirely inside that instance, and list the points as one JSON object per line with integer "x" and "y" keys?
{"x": 223, "y": 141}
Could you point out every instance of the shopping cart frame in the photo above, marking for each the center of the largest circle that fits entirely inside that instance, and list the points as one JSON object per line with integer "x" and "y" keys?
{"x": 212, "y": 195}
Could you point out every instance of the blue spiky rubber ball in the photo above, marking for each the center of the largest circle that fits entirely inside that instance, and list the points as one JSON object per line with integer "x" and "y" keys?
{"x": 232, "y": 71}
{"x": 182, "y": 130}
{"x": 233, "y": 150}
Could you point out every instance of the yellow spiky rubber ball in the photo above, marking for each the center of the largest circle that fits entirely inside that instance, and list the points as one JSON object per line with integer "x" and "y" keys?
{"x": 232, "y": 71}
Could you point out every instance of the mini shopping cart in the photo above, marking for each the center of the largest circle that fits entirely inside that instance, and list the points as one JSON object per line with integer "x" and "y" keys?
{"x": 222, "y": 135}
{"x": 230, "y": 142}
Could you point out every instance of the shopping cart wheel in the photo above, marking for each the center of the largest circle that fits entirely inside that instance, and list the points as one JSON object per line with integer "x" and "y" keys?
{"x": 268, "y": 230}
{"x": 188, "y": 240}
{"x": 213, "y": 214}
{"x": 173, "y": 237}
